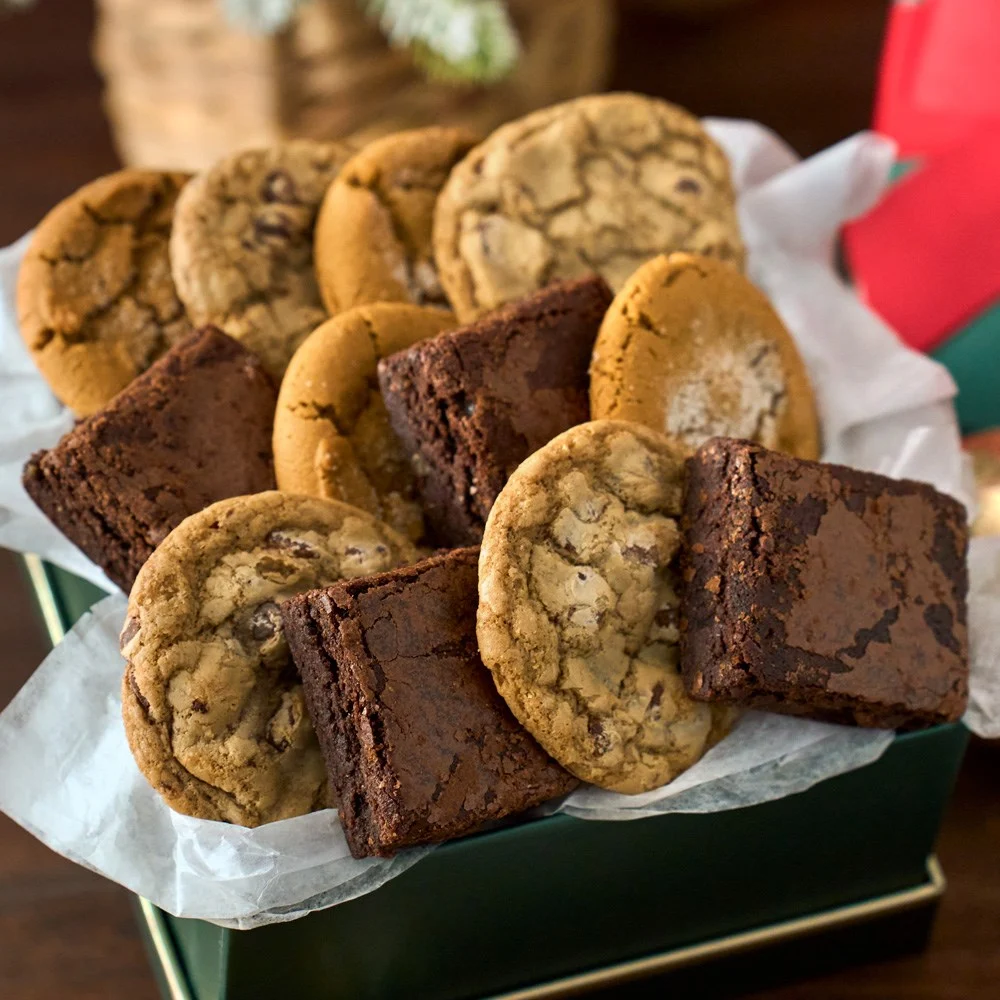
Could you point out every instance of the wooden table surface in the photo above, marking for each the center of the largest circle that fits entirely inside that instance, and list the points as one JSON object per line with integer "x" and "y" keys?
{"x": 804, "y": 67}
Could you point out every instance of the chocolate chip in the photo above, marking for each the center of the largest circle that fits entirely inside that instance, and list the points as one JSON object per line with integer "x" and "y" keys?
{"x": 636, "y": 553}
{"x": 199, "y": 706}
{"x": 687, "y": 185}
{"x": 130, "y": 631}
{"x": 666, "y": 617}
{"x": 288, "y": 543}
{"x": 657, "y": 695}
{"x": 263, "y": 229}
{"x": 135, "y": 690}
{"x": 265, "y": 621}
{"x": 279, "y": 186}
{"x": 596, "y": 729}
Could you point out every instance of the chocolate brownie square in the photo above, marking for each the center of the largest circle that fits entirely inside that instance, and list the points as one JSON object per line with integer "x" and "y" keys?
{"x": 418, "y": 744}
{"x": 470, "y": 405}
{"x": 818, "y": 590}
{"x": 192, "y": 429}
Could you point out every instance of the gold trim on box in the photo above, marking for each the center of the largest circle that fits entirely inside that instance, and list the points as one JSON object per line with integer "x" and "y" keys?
{"x": 677, "y": 958}
{"x": 166, "y": 952}
{"x": 45, "y": 597}
{"x": 733, "y": 944}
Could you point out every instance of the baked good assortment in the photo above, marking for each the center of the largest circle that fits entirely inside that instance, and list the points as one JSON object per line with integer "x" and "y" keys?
{"x": 537, "y": 356}
{"x": 819, "y": 590}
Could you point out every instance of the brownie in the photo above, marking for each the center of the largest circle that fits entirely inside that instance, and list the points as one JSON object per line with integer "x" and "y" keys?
{"x": 471, "y": 404}
{"x": 192, "y": 429}
{"x": 419, "y": 746}
{"x": 819, "y": 590}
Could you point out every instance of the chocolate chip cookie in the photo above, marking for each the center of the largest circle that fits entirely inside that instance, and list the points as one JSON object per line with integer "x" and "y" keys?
{"x": 691, "y": 348}
{"x": 212, "y": 704}
{"x": 242, "y": 246}
{"x": 331, "y": 431}
{"x": 95, "y": 300}
{"x": 601, "y": 183}
{"x": 578, "y": 607}
{"x": 373, "y": 234}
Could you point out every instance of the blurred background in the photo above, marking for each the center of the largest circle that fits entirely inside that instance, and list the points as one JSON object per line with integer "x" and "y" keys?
{"x": 86, "y": 86}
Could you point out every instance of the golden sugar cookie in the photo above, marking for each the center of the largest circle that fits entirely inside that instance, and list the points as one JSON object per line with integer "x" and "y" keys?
{"x": 332, "y": 436}
{"x": 691, "y": 348}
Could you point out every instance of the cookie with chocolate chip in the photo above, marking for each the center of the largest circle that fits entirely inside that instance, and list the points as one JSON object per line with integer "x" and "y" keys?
{"x": 242, "y": 246}
{"x": 600, "y": 183}
{"x": 578, "y": 607}
{"x": 212, "y": 704}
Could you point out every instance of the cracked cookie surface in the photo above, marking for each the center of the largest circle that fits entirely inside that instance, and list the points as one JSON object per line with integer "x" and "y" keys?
{"x": 95, "y": 300}
{"x": 373, "y": 234}
{"x": 578, "y": 608}
{"x": 691, "y": 348}
{"x": 598, "y": 184}
{"x": 242, "y": 245}
{"x": 212, "y": 704}
{"x": 332, "y": 436}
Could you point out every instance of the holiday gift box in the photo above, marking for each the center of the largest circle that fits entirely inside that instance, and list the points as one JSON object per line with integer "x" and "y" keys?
{"x": 787, "y": 831}
{"x": 556, "y": 905}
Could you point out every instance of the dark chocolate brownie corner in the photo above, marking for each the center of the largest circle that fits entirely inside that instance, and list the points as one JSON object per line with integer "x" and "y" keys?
{"x": 419, "y": 745}
{"x": 194, "y": 428}
{"x": 820, "y": 590}
{"x": 471, "y": 404}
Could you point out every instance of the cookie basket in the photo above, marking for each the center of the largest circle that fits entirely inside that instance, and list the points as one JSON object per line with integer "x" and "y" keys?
{"x": 751, "y": 884}
{"x": 764, "y": 893}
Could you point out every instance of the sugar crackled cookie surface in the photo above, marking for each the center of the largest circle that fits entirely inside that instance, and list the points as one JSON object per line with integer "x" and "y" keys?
{"x": 578, "y": 613}
{"x": 373, "y": 234}
{"x": 332, "y": 436}
{"x": 598, "y": 184}
{"x": 691, "y": 348}
{"x": 212, "y": 704}
{"x": 96, "y": 304}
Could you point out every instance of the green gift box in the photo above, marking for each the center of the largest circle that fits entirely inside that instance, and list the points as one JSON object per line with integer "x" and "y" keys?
{"x": 554, "y": 906}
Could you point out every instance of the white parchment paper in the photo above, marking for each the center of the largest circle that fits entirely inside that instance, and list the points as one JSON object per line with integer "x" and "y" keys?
{"x": 65, "y": 770}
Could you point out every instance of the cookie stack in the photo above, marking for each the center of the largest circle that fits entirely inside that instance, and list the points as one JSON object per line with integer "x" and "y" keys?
{"x": 444, "y": 476}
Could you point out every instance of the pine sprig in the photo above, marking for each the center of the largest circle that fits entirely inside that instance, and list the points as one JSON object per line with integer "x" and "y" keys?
{"x": 455, "y": 40}
{"x": 262, "y": 16}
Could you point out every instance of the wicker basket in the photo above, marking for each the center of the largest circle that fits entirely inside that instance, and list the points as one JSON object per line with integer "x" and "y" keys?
{"x": 183, "y": 87}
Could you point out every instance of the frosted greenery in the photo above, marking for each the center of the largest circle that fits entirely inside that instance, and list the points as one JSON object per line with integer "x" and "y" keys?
{"x": 458, "y": 40}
